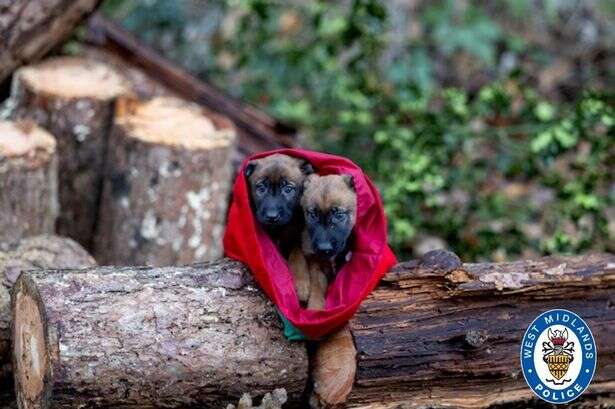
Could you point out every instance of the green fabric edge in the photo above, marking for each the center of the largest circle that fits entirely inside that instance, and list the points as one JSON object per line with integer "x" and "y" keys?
{"x": 290, "y": 331}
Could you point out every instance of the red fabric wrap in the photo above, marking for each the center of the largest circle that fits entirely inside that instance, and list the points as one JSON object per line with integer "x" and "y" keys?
{"x": 246, "y": 241}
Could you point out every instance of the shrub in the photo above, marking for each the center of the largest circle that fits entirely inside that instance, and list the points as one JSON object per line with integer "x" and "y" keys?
{"x": 493, "y": 172}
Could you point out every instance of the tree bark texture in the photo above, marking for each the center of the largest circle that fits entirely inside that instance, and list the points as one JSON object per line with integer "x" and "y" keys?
{"x": 166, "y": 186}
{"x": 31, "y": 28}
{"x": 28, "y": 181}
{"x": 73, "y": 98}
{"x": 141, "y": 337}
{"x": 39, "y": 252}
{"x": 439, "y": 333}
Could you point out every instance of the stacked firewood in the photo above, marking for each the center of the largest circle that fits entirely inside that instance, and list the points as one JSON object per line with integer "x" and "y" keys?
{"x": 141, "y": 175}
{"x": 436, "y": 333}
{"x": 138, "y": 181}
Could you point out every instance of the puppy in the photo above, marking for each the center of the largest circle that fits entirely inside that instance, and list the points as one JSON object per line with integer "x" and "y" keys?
{"x": 276, "y": 185}
{"x": 329, "y": 206}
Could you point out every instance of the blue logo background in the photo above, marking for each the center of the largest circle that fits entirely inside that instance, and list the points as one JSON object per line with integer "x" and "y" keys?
{"x": 588, "y": 366}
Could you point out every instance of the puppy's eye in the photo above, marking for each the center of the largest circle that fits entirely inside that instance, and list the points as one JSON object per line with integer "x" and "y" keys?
{"x": 261, "y": 189}
{"x": 340, "y": 217}
{"x": 288, "y": 189}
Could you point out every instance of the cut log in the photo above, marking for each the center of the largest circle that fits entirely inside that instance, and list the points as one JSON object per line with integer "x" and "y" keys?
{"x": 171, "y": 337}
{"x": 30, "y": 28}
{"x": 74, "y": 99}
{"x": 40, "y": 252}
{"x": 439, "y": 333}
{"x": 28, "y": 181}
{"x": 166, "y": 185}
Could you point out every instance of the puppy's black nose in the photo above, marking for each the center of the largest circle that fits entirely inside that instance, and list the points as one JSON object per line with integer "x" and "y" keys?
{"x": 272, "y": 216}
{"x": 325, "y": 248}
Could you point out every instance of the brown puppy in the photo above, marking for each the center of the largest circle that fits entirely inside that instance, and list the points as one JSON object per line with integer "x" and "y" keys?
{"x": 329, "y": 206}
{"x": 276, "y": 186}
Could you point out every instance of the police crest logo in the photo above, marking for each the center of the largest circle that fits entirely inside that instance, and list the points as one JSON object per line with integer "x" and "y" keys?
{"x": 558, "y": 356}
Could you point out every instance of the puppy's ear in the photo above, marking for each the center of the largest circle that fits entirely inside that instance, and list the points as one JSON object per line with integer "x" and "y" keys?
{"x": 309, "y": 180}
{"x": 307, "y": 168}
{"x": 349, "y": 180}
{"x": 250, "y": 168}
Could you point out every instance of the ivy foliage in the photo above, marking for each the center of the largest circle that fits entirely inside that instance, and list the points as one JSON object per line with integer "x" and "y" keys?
{"x": 494, "y": 173}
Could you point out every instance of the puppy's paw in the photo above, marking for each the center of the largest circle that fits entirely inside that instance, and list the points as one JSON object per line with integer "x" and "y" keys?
{"x": 316, "y": 301}
{"x": 303, "y": 290}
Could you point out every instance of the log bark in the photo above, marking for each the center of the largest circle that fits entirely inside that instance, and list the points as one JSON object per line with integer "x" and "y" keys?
{"x": 30, "y": 28}
{"x": 439, "y": 333}
{"x": 40, "y": 252}
{"x": 73, "y": 98}
{"x": 166, "y": 185}
{"x": 28, "y": 181}
{"x": 139, "y": 337}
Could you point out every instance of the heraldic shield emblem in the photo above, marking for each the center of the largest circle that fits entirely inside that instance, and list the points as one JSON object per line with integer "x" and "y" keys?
{"x": 558, "y": 356}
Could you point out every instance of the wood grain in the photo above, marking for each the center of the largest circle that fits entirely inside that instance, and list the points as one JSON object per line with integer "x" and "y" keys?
{"x": 443, "y": 333}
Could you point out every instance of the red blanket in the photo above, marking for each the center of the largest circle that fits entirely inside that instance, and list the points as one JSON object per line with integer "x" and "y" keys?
{"x": 246, "y": 241}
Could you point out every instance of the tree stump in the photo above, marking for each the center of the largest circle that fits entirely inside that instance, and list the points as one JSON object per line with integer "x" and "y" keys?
{"x": 28, "y": 181}
{"x": 167, "y": 184}
{"x": 439, "y": 333}
{"x": 30, "y": 28}
{"x": 38, "y": 252}
{"x": 109, "y": 337}
{"x": 74, "y": 99}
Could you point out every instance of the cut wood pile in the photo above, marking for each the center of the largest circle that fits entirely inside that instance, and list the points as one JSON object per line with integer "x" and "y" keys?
{"x": 165, "y": 164}
{"x": 137, "y": 166}
{"x": 73, "y": 98}
{"x": 132, "y": 157}
{"x": 28, "y": 180}
{"x": 436, "y": 333}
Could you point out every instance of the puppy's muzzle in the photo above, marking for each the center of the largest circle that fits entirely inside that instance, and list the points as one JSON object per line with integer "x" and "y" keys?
{"x": 272, "y": 216}
{"x": 324, "y": 249}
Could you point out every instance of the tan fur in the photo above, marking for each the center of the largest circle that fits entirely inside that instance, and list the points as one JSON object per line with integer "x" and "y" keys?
{"x": 301, "y": 274}
{"x": 334, "y": 370}
{"x": 334, "y": 360}
{"x": 323, "y": 193}
{"x": 326, "y": 192}
{"x": 318, "y": 286}
{"x": 277, "y": 166}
